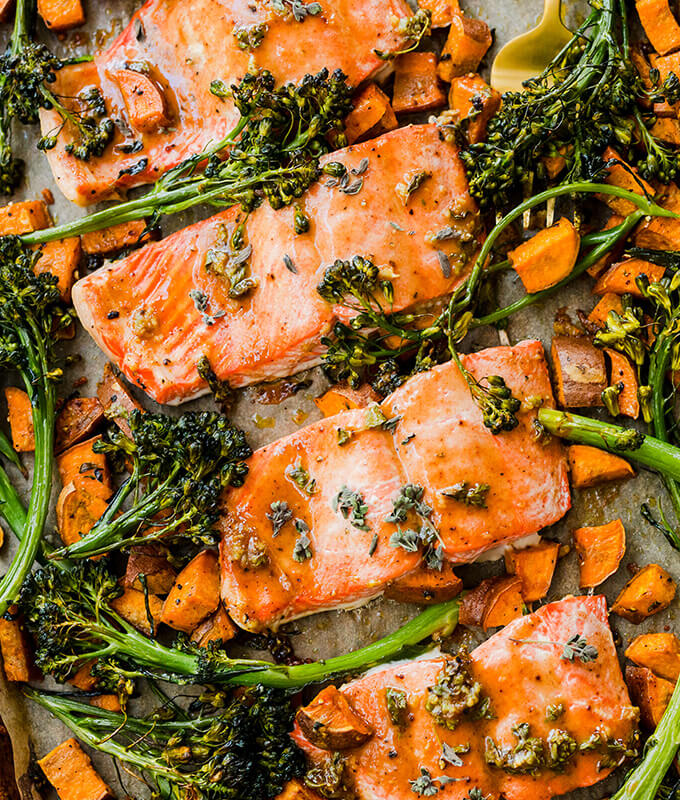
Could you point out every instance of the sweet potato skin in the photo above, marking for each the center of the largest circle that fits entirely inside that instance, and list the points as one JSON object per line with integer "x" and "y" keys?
{"x": 69, "y": 769}
{"x": 195, "y": 594}
{"x": 600, "y": 549}
{"x": 218, "y": 627}
{"x": 77, "y": 420}
{"x": 372, "y": 115}
{"x": 659, "y": 652}
{"x": 416, "y": 83}
{"x": 149, "y": 562}
{"x": 116, "y": 400}
{"x": 329, "y": 722}
{"x": 466, "y": 45}
{"x": 494, "y": 603}
{"x": 579, "y": 369}
{"x": 651, "y": 590}
{"x": 80, "y": 465}
{"x": 535, "y": 567}
{"x": 650, "y": 694}
{"x": 20, "y": 418}
{"x": 590, "y": 466}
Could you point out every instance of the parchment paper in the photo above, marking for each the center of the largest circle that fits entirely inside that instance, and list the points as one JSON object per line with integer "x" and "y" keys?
{"x": 329, "y": 634}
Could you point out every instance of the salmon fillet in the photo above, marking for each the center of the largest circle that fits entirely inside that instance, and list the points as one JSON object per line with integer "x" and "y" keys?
{"x": 184, "y": 45}
{"x": 141, "y": 313}
{"x": 521, "y": 682}
{"x": 436, "y": 439}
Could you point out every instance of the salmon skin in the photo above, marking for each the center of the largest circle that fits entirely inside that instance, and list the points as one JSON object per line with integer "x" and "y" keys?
{"x": 317, "y": 480}
{"x": 142, "y": 310}
{"x": 524, "y": 683}
{"x": 182, "y": 46}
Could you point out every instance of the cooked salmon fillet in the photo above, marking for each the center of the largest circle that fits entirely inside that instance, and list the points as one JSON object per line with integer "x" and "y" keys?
{"x": 524, "y": 683}
{"x": 142, "y": 310}
{"x": 183, "y": 45}
{"x": 436, "y": 439}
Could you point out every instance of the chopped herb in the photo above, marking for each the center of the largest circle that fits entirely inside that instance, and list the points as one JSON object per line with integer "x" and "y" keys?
{"x": 476, "y": 794}
{"x": 363, "y": 166}
{"x": 396, "y": 226}
{"x": 397, "y": 706}
{"x": 408, "y": 438}
{"x": 301, "y": 478}
{"x": 561, "y": 747}
{"x": 297, "y": 8}
{"x": 554, "y": 711}
{"x": 413, "y": 29}
{"x": 444, "y": 263}
{"x": 434, "y": 557}
{"x": 229, "y": 258}
{"x": 352, "y": 507}
{"x": 425, "y": 785}
{"x": 374, "y": 545}
{"x": 408, "y": 499}
{"x": 408, "y": 540}
{"x": 303, "y": 546}
{"x": 455, "y": 693}
{"x": 352, "y": 188}
{"x": 576, "y": 647}
{"x": 450, "y": 754}
{"x": 250, "y": 37}
{"x": 201, "y": 302}
{"x": 135, "y": 169}
{"x": 374, "y": 417}
{"x": 300, "y": 220}
{"x": 445, "y": 233}
{"x": 410, "y": 184}
{"x": 290, "y": 266}
{"x": 525, "y": 758}
{"x": 343, "y": 436}
{"x": 280, "y": 514}
{"x": 471, "y": 494}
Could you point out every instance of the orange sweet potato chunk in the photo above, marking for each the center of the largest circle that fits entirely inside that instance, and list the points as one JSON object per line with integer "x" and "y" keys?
{"x": 114, "y": 239}
{"x": 466, "y": 45}
{"x": 69, "y": 769}
{"x": 426, "y": 586}
{"x": 649, "y": 591}
{"x": 60, "y": 15}
{"x": 649, "y": 693}
{"x": 473, "y": 99}
{"x": 61, "y": 258}
{"x": 77, "y": 512}
{"x": 579, "y": 371}
{"x": 495, "y": 602}
{"x": 195, "y": 595}
{"x": 660, "y": 25}
{"x": 20, "y": 418}
{"x": 143, "y": 99}
{"x": 25, "y": 217}
{"x": 609, "y": 302}
{"x": 372, "y": 115}
{"x": 624, "y": 375}
{"x": 78, "y": 419}
{"x": 659, "y": 652}
{"x": 416, "y": 83}
{"x": 624, "y": 176}
{"x": 16, "y": 649}
{"x": 600, "y": 549}
{"x": 547, "y": 257}
{"x": 620, "y": 277}
{"x": 81, "y": 466}
{"x": 591, "y": 466}
{"x": 132, "y": 606}
{"x": 443, "y": 11}
{"x": 343, "y": 398}
{"x": 535, "y": 567}
{"x": 218, "y": 627}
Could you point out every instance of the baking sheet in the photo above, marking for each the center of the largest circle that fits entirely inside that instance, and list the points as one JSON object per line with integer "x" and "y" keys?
{"x": 329, "y": 634}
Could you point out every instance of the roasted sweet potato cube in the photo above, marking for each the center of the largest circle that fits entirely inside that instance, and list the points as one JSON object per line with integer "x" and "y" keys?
{"x": 535, "y": 567}
{"x": 143, "y": 99}
{"x": 620, "y": 278}
{"x": 77, "y": 512}
{"x": 70, "y": 771}
{"x": 343, "y": 398}
{"x": 579, "y": 369}
{"x": 16, "y": 649}
{"x": 651, "y": 590}
{"x": 218, "y": 627}
{"x": 553, "y": 165}
{"x": 61, "y": 258}
{"x": 624, "y": 376}
{"x": 443, "y": 11}
{"x": 26, "y": 217}
{"x": 473, "y": 99}
{"x": 649, "y": 693}
{"x": 600, "y": 549}
{"x": 466, "y": 45}
{"x": 112, "y": 240}
{"x": 495, "y": 602}
{"x": 667, "y": 130}
{"x": 195, "y": 595}
{"x": 108, "y": 702}
{"x": 625, "y": 177}
{"x": 83, "y": 678}
{"x": 660, "y": 25}
{"x": 148, "y": 561}
{"x": 20, "y": 418}
{"x": 612, "y": 255}
{"x": 659, "y": 652}
{"x": 548, "y": 257}
{"x": 117, "y": 401}
{"x": 426, "y": 586}
{"x": 297, "y": 790}
{"x": 140, "y": 610}
{"x": 416, "y": 83}
{"x": 372, "y": 115}
{"x": 661, "y": 233}
{"x": 80, "y": 465}
{"x": 590, "y": 466}
{"x": 60, "y": 15}
{"x": 330, "y": 723}
{"x": 609, "y": 302}
{"x": 78, "y": 419}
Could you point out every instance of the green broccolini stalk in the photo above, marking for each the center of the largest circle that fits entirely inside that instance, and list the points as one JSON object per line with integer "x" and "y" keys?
{"x": 271, "y": 154}
{"x": 236, "y": 748}
{"x": 644, "y": 782}
{"x": 69, "y": 614}
{"x": 586, "y": 100}
{"x": 31, "y": 317}
{"x": 180, "y": 468}
{"x": 26, "y": 71}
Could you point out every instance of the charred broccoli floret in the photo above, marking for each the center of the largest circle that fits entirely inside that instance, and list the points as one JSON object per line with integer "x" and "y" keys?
{"x": 180, "y": 467}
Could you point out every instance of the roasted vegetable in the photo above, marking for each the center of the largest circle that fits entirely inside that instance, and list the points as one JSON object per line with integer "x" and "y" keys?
{"x": 600, "y": 549}
{"x": 236, "y": 748}
{"x": 535, "y": 567}
{"x": 179, "y": 468}
{"x": 590, "y": 466}
{"x": 329, "y": 722}
{"x": 195, "y": 594}
{"x": 31, "y": 317}
{"x": 649, "y": 591}
{"x": 69, "y": 769}
{"x": 272, "y": 153}
{"x": 548, "y": 257}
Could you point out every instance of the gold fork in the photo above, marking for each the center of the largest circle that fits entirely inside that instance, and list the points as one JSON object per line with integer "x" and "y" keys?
{"x": 529, "y": 54}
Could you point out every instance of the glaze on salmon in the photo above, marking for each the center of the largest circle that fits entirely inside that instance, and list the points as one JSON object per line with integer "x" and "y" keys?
{"x": 524, "y": 683}
{"x": 142, "y": 310}
{"x": 180, "y": 46}
{"x": 436, "y": 439}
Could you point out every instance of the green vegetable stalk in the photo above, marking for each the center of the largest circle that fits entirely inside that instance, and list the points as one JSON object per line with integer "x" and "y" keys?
{"x": 31, "y": 317}
{"x": 272, "y": 153}
{"x": 644, "y": 781}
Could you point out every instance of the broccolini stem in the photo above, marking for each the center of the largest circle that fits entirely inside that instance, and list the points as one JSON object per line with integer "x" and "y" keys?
{"x": 11, "y": 507}
{"x": 8, "y": 452}
{"x": 626, "y": 442}
{"x": 644, "y": 781}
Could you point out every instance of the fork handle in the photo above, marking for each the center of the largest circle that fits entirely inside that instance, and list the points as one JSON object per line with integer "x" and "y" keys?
{"x": 552, "y": 9}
